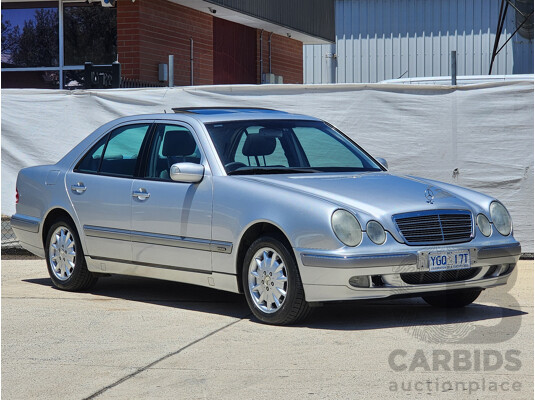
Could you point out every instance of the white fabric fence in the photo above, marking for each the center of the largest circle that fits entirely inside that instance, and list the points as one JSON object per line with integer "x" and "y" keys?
{"x": 478, "y": 136}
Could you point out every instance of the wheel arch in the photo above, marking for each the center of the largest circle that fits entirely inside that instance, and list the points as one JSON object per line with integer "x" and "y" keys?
{"x": 53, "y": 215}
{"x": 253, "y": 232}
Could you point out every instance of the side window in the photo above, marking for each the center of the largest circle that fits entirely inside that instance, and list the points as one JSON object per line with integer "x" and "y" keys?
{"x": 323, "y": 150}
{"x": 171, "y": 144}
{"x": 122, "y": 151}
{"x": 257, "y": 149}
{"x": 116, "y": 153}
{"x": 91, "y": 160}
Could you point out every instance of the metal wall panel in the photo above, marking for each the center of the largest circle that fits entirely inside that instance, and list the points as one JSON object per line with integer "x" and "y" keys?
{"x": 388, "y": 39}
{"x": 313, "y": 17}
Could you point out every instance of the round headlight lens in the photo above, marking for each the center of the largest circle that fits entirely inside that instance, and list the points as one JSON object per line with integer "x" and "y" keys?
{"x": 346, "y": 227}
{"x": 484, "y": 225}
{"x": 376, "y": 232}
{"x": 500, "y": 218}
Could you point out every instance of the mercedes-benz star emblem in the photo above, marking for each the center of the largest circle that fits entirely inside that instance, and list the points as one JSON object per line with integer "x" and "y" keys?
{"x": 429, "y": 195}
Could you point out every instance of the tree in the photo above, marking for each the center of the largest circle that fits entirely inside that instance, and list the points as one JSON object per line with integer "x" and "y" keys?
{"x": 37, "y": 44}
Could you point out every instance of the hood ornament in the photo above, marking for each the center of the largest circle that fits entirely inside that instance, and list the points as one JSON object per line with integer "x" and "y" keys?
{"x": 429, "y": 195}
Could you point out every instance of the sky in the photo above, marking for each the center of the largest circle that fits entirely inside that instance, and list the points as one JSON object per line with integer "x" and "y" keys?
{"x": 18, "y": 16}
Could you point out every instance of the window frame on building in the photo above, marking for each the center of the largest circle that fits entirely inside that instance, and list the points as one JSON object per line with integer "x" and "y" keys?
{"x": 61, "y": 68}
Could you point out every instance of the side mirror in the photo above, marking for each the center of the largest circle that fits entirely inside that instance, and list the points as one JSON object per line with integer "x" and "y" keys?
{"x": 382, "y": 161}
{"x": 187, "y": 172}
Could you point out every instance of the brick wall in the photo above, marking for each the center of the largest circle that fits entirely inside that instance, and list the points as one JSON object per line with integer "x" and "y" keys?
{"x": 286, "y": 57}
{"x": 128, "y": 37}
{"x": 148, "y": 31}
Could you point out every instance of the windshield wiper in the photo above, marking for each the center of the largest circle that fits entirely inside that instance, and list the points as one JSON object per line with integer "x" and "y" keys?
{"x": 270, "y": 170}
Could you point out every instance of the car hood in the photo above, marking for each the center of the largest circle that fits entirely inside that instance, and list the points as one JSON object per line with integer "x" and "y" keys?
{"x": 377, "y": 195}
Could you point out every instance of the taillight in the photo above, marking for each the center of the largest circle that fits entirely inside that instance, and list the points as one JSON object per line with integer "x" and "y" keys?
{"x": 16, "y": 196}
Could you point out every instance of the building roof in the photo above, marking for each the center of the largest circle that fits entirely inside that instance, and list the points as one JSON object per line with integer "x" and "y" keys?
{"x": 309, "y": 21}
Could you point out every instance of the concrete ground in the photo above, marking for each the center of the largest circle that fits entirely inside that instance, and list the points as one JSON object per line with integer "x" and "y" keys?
{"x": 133, "y": 338}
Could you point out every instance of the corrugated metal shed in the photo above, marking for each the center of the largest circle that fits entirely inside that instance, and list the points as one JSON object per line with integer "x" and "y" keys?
{"x": 388, "y": 39}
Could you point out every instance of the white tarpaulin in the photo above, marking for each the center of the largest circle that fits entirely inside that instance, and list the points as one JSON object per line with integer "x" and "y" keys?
{"x": 478, "y": 136}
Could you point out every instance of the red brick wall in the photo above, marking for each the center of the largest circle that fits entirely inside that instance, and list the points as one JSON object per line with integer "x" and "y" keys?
{"x": 148, "y": 31}
{"x": 286, "y": 57}
{"x": 128, "y": 37}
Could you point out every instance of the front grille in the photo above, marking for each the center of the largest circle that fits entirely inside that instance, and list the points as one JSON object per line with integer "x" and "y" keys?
{"x": 418, "y": 278}
{"x": 435, "y": 227}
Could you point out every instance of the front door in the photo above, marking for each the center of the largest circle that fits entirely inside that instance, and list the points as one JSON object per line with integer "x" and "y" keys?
{"x": 171, "y": 221}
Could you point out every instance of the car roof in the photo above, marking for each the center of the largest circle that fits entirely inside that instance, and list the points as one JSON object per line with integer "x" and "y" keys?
{"x": 225, "y": 110}
{"x": 222, "y": 114}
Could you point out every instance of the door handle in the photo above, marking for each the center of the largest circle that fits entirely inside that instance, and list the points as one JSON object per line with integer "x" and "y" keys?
{"x": 78, "y": 188}
{"x": 141, "y": 194}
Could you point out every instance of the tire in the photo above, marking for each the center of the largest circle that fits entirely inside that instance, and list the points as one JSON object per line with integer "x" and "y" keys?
{"x": 452, "y": 299}
{"x": 272, "y": 283}
{"x": 65, "y": 258}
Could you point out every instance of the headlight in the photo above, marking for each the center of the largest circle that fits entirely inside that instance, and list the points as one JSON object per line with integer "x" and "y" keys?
{"x": 483, "y": 225}
{"x": 500, "y": 218}
{"x": 346, "y": 227}
{"x": 376, "y": 232}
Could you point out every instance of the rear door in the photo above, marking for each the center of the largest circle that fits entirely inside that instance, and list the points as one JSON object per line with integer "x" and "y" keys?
{"x": 100, "y": 188}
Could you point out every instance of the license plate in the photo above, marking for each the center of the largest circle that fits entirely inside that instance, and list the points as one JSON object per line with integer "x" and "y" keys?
{"x": 449, "y": 260}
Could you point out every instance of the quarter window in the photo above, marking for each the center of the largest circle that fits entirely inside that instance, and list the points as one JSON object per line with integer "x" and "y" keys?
{"x": 91, "y": 160}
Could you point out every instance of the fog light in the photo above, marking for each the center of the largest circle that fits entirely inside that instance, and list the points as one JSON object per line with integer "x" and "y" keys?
{"x": 499, "y": 270}
{"x": 377, "y": 280}
{"x": 506, "y": 269}
{"x": 360, "y": 281}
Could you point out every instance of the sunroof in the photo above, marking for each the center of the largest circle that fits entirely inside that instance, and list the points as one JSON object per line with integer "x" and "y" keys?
{"x": 224, "y": 110}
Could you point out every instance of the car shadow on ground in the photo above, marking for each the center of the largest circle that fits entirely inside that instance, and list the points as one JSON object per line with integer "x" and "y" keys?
{"x": 356, "y": 315}
{"x": 165, "y": 293}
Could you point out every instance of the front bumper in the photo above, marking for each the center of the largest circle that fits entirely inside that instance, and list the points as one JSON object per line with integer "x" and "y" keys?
{"x": 326, "y": 274}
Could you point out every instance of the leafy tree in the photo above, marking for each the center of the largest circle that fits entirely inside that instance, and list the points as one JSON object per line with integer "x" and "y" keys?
{"x": 37, "y": 44}
{"x": 9, "y": 32}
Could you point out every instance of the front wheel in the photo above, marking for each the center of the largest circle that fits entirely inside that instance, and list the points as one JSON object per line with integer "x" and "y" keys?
{"x": 272, "y": 283}
{"x": 452, "y": 299}
{"x": 65, "y": 258}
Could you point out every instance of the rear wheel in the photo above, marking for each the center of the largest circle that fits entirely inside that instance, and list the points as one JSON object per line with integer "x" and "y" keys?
{"x": 272, "y": 283}
{"x": 452, "y": 299}
{"x": 65, "y": 258}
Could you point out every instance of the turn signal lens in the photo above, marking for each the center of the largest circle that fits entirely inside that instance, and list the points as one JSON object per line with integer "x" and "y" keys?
{"x": 484, "y": 225}
{"x": 16, "y": 196}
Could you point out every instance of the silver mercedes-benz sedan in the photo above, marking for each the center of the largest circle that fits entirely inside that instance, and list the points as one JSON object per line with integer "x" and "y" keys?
{"x": 281, "y": 207}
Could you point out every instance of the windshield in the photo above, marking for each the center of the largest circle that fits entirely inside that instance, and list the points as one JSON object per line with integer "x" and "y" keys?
{"x": 286, "y": 146}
